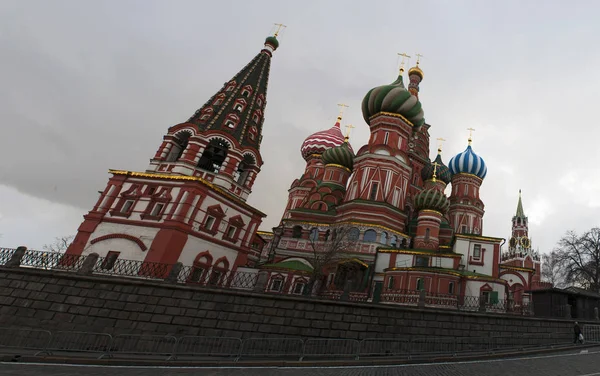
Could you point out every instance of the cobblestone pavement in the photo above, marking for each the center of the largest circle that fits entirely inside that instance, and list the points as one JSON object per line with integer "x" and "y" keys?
{"x": 566, "y": 364}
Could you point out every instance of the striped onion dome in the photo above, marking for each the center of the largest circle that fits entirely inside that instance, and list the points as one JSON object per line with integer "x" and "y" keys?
{"x": 432, "y": 199}
{"x": 318, "y": 142}
{"x": 393, "y": 98}
{"x": 442, "y": 172}
{"x": 340, "y": 155}
{"x": 469, "y": 163}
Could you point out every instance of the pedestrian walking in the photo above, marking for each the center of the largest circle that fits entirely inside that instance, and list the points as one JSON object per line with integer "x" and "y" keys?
{"x": 577, "y": 336}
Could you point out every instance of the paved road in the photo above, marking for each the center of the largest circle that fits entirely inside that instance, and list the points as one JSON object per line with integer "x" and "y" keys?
{"x": 567, "y": 364}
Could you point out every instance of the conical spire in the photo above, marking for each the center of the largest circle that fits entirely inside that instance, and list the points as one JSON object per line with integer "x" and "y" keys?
{"x": 238, "y": 108}
{"x": 520, "y": 212}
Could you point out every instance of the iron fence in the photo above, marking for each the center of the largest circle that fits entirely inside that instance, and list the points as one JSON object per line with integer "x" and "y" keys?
{"x": 52, "y": 260}
{"x": 82, "y": 344}
{"x": 131, "y": 268}
{"x": 216, "y": 278}
{"x": 6, "y": 254}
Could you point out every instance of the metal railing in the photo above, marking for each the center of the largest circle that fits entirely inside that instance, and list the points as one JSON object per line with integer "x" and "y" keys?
{"x": 6, "y": 254}
{"x": 100, "y": 345}
{"x": 52, "y": 260}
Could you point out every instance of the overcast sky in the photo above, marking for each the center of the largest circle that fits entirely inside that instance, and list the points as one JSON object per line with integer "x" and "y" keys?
{"x": 90, "y": 85}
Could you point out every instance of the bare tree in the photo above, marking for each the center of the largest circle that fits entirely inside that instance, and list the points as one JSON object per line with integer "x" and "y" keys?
{"x": 552, "y": 270}
{"x": 328, "y": 249}
{"x": 579, "y": 258}
{"x": 59, "y": 245}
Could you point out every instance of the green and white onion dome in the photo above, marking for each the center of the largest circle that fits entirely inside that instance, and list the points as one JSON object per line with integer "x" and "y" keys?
{"x": 442, "y": 172}
{"x": 393, "y": 98}
{"x": 432, "y": 199}
{"x": 340, "y": 155}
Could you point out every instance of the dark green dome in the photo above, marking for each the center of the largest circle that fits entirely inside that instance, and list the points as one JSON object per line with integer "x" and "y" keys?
{"x": 442, "y": 172}
{"x": 432, "y": 199}
{"x": 341, "y": 155}
{"x": 393, "y": 98}
{"x": 272, "y": 41}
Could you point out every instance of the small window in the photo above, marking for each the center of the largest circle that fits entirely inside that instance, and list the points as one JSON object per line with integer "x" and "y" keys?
{"x": 353, "y": 234}
{"x": 299, "y": 288}
{"x": 314, "y": 234}
{"x": 386, "y": 137}
{"x": 205, "y": 117}
{"x": 127, "y": 206}
{"x": 370, "y": 236}
{"x": 477, "y": 251}
{"x": 451, "y": 288}
{"x": 110, "y": 260}
{"x": 230, "y": 232}
{"x": 427, "y": 234}
{"x": 276, "y": 285}
{"x": 210, "y": 221}
{"x": 151, "y": 190}
{"x": 422, "y": 261}
{"x": 255, "y": 118}
{"x": 463, "y": 229}
{"x": 157, "y": 210}
{"x": 393, "y": 241}
{"x": 215, "y": 277}
{"x": 373, "y": 193}
{"x": 390, "y": 284}
{"x": 238, "y": 107}
{"x": 383, "y": 238}
{"x": 420, "y": 284}
{"x": 297, "y": 232}
{"x": 485, "y": 297}
{"x": 218, "y": 101}
{"x": 229, "y": 124}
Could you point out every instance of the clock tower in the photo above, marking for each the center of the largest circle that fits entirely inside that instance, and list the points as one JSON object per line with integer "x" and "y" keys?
{"x": 519, "y": 240}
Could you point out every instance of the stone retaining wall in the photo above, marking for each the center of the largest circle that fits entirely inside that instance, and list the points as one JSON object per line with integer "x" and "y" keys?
{"x": 66, "y": 301}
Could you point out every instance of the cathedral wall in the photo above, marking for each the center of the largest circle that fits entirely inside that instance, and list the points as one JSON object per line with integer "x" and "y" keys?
{"x": 474, "y": 288}
{"x": 65, "y": 301}
{"x": 129, "y": 249}
{"x": 195, "y": 245}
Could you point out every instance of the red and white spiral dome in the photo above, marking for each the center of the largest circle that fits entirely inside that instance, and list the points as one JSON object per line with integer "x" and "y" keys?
{"x": 318, "y": 142}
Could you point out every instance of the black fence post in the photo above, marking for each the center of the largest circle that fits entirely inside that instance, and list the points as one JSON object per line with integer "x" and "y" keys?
{"x": 377, "y": 291}
{"x": 87, "y": 268}
{"x": 15, "y": 260}
{"x": 173, "y": 276}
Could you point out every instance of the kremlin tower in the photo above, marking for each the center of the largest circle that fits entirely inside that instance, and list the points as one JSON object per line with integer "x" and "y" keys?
{"x": 190, "y": 203}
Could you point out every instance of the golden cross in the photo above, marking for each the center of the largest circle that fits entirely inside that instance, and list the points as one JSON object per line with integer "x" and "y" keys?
{"x": 419, "y": 56}
{"x": 470, "y": 134}
{"x": 404, "y": 55}
{"x": 348, "y": 129}
{"x": 440, "y": 144}
{"x": 435, "y": 164}
{"x": 342, "y": 106}
{"x": 279, "y": 27}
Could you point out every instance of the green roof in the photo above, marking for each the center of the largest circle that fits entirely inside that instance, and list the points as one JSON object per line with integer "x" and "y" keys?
{"x": 291, "y": 265}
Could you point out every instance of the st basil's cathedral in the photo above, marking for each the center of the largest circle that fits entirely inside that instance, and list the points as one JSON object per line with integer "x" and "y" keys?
{"x": 396, "y": 228}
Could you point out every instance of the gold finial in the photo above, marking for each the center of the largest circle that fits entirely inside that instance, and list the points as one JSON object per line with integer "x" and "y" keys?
{"x": 348, "y": 129}
{"x": 435, "y": 164}
{"x": 440, "y": 144}
{"x": 419, "y": 56}
{"x": 470, "y": 134}
{"x": 341, "y": 106}
{"x": 404, "y": 55}
{"x": 279, "y": 27}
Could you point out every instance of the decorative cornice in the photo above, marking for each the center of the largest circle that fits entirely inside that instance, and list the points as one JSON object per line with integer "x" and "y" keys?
{"x": 419, "y": 253}
{"x": 340, "y": 166}
{"x": 478, "y": 237}
{"x": 448, "y": 272}
{"x": 363, "y": 224}
{"x": 466, "y": 174}
{"x": 120, "y": 236}
{"x": 391, "y": 114}
{"x": 516, "y": 268}
{"x": 188, "y": 178}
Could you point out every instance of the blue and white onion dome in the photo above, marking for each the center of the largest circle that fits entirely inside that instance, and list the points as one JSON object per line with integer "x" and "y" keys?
{"x": 469, "y": 163}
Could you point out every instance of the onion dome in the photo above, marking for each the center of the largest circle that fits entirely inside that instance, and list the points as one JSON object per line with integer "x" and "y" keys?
{"x": 442, "y": 172}
{"x": 340, "y": 155}
{"x": 318, "y": 142}
{"x": 272, "y": 41}
{"x": 468, "y": 162}
{"x": 432, "y": 199}
{"x": 416, "y": 70}
{"x": 393, "y": 98}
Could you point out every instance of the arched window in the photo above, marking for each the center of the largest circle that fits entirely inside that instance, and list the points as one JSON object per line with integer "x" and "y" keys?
{"x": 246, "y": 91}
{"x": 314, "y": 234}
{"x": 353, "y": 234}
{"x": 219, "y": 270}
{"x": 297, "y": 232}
{"x": 219, "y": 99}
{"x": 241, "y": 174}
{"x": 420, "y": 284}
{"x": 393, "y": 241}
{"x": 180, "y": 143}
{"x": 276, "y": 284}
{"x": 206, "y": 114}
{"x": 427, "y": 234}
{"x": 239, "y": 105}
{"x": 370, "y": 236}
{"x": 390, "y": 284}
{"x": 383, "y": 239}
{"x": 230, "y": 86}
{"x": 231, "y": 121}
{"x": 201, "y": 266}
{"x": 214, "y": 155}
{"x": 327, "y": 235}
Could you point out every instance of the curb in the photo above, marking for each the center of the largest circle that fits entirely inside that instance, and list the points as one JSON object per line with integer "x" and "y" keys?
{"x": 8, "y": 358}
